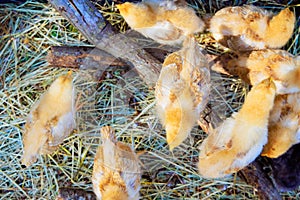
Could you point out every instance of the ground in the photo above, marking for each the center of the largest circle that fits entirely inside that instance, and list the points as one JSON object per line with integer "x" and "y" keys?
{"x": 119, "y": 99}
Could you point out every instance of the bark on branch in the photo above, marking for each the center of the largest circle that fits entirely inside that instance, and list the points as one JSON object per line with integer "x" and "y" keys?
{"x": 75, "y": 57}
{"x": 71, "y": 194}
{"x": 89, "y": 21}
{"x": 255, "y": 175}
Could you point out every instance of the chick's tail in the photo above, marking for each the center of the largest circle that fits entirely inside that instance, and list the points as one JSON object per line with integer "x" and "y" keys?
{"x": 193, "y": 58}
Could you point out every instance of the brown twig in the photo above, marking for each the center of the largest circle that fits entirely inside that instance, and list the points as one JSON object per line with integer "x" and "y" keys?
{"x": 75, "y": 57}
{"x": 89, "y": 21}
{"x": 89, "y": 57}
{"x": 73, "y": 194}
{"x": 255, "y": 175}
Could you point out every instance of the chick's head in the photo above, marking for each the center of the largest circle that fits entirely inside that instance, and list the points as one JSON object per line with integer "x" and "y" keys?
{"x": 287, "y": 18}
{"x": 61, "y": 85}
{"x": 282, "y": 136}
{"x": 33, "y": 148}
{"x": 180, "y": 118}
{"x": 137, "y": 15}
{"x": 127, "y": 8}
{"x": 281, "y": 28}
{"x": 173, "y": 122}
{"x": 217, "y": 165}
{"x": 277, "y": 146}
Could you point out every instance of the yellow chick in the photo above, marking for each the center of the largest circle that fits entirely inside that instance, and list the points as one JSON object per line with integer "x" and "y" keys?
{"x": 50, "y": 120}
{"x": 284, "y": 125}
{"x": 182, "y": 91}
{"x": 240, "y": 138}
{"x": 116, "y": 172}
{"x": 281, "y": 66}
{"x": 248, "y": 27}
{"x": 162, "y": 21}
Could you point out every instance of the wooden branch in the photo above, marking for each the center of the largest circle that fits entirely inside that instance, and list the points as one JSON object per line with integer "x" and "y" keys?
{"x": 89, "y": 21}
{"x": 286, "y": 169}
{"x": 91, "y": 58}
{"x": 70, "y": 193}
{"x": 75, "y": 57}
{"x": 255, "y": 175}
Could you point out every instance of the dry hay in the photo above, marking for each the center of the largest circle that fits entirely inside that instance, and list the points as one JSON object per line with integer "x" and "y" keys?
{"x": 120, "y": 99}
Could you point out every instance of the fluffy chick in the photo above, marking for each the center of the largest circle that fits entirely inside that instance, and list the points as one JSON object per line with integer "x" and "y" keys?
{"x": 50, "y": 120}
{"x": 284, "y": 125}
{"x": 281, "y": 66}
{"x": 116, "y": 172}
{"x": 182, "y": 91}
{"x": 240, "y": 138}
{"x": 248, "y": 27}
{"x": 163, "y": 21}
